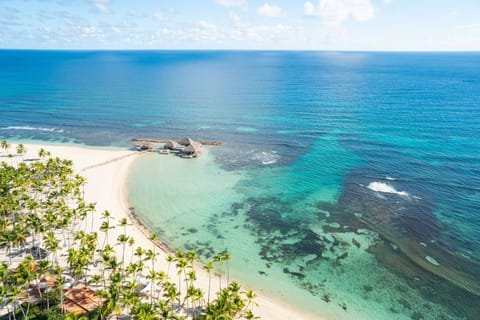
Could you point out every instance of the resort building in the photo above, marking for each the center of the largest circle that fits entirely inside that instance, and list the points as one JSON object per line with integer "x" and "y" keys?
{"x": 186, "y": 146}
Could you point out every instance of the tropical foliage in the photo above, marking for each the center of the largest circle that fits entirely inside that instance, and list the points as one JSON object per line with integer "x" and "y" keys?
{"x": 48, "y": 244}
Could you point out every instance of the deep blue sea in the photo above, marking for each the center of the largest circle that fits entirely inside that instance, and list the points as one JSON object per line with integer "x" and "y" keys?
{"x": 358, "y": 173}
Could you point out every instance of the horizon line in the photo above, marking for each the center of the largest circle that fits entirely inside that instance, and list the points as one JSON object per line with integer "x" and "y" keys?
{"x": 242, "y": 50}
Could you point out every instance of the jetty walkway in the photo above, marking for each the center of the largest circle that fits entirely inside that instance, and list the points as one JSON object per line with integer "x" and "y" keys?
{"x": 158, "y": 141}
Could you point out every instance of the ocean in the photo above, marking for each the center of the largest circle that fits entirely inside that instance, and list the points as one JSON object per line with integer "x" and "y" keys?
{"x": 347, "y": 184}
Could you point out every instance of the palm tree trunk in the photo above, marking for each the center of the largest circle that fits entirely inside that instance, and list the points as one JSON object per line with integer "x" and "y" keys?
{"x": 209, "y": 285}
{"x": 228, "y": 273}
{"x": 123, "y": 256}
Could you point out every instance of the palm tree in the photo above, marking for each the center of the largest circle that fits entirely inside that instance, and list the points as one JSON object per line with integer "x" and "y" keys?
{"x": 144, "y": 311}
{"x": 123, "y": 223}
{"x": 5, "y": 284}
{"x": 90, "y": 207}
{"x": 171, "y": 293}
{"x": 153, "y": 237}
{"x": 42, "y": 153}
{"x": 152, "y": 275}
{"x": 139, "y": 252}
{"x": 191, "y": 290}
{"x": 43, "y": 270}
{"x": 14, "y": 294}
{"x": 131, "y": 242}
{"x": 106, "y": 225}
{"x": 228, "y": 305}
{"x": 5, "y": 145}
{"x": 197, "y": 299}
{"x": 23, "y": 275}
{"x": 250, "y": 296}
{"x": 219, "y": 259}
{"x": 191, "y": 258}
{"x": 60, "y": 282}
{"x": 19, "y": 236}
{"x": 112, "y": 305}
{"x": 209, "y": 267}
{"x": 21, "y": 150}
{"x": 227, "y": 257}
{"x": 104, "y": 228}
{"x": 52, "y": 244}
{"x": 181, "y": 267}
{"x": 170, "y": 259}
{"x": 250, "y": 316}
{"x": 129, "y": 297}
{"x": 150, "y": 255}
{"x": 123, "y": 239}
{"x": 165, "y": 310}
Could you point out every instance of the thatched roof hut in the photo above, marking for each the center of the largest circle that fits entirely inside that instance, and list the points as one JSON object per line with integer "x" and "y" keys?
{"x": 193, "y": 149}
{"x": 186, "y": 141}
{"x": 170, "y": 145}
{"x": 80, "y": 300}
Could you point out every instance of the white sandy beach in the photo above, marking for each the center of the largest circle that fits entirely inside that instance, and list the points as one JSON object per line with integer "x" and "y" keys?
{"x": 106, "y": 172}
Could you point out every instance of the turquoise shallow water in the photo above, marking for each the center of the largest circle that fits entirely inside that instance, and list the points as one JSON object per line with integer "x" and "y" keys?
{"x": 340, "y": 173}
{"x": 282, "y": 231}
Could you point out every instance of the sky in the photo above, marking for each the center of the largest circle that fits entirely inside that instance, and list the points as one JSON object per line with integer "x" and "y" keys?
{"x": 387, "y": 25}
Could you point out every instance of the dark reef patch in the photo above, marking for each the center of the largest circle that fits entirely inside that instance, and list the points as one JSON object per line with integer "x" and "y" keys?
{"x": 302, "y": 242}
{"x": 410, "y": 232}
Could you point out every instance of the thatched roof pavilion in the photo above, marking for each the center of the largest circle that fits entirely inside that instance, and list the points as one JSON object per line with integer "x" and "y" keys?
{"x": 193, "y": 149}
{"x": 81, "y": 300}
{"x": 170, "y": 145}
{"x": 186, "y": 141}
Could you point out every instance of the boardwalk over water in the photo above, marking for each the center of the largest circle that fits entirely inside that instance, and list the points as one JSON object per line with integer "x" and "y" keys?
{"x": 159, "y": 141}
{"x": 107, "y": 162}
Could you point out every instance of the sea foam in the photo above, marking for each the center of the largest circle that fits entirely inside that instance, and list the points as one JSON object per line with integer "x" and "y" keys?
{"x": 383, "y": 187}
{"x": 28, "y": 128}
{"x": 265, "y": 158}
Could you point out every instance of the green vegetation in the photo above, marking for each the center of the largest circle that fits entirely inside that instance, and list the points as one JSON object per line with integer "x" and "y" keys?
{"x": 48, "y": 245}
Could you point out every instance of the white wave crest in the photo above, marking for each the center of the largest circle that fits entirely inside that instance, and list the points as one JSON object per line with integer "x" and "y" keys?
{"x": 269, "y": 162}
{"x": 266, "y": 158}
{"x": 383, "y": 187}
{"x": 28, "y": 128}
{"x": 390, "y": 178}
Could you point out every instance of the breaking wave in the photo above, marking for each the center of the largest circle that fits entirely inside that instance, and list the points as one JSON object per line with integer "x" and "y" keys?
{"x": 383, "y": 187}
{"x": 28, "y": 128}
{"x": 265, "y": 158}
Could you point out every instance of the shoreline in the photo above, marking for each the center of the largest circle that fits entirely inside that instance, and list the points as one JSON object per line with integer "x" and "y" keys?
{"x": 106, "y": 172}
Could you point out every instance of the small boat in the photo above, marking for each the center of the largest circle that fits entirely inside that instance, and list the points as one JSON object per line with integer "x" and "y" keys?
{"x": 164, "y": 151}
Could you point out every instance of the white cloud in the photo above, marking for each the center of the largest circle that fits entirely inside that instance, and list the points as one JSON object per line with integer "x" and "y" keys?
{"x": 232, "y": 3}
{"x": 309, "y": 9}
{"x": 207, "y": 25}
{"x": 205, "y": 34}
{"x": 206, "y": 31}
{"x": 235, "y": 17}
{"x": 335, "y": 12}
{"x": 102, "y": 5}
{"x": 160, "y": 16}
{"x": 387, "y": 1}
{"x": 265, "y": 35}
{"x": 270, "y": 10}
{"x": 136, "y": 14}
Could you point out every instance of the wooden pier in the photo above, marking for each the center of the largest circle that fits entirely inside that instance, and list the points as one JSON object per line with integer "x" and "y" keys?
{"x": 145, "y": 141}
